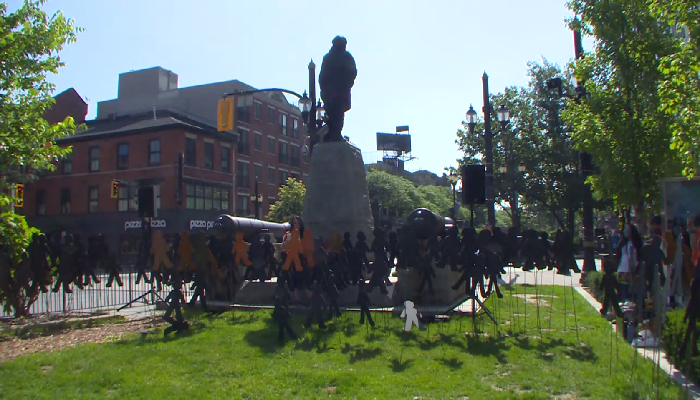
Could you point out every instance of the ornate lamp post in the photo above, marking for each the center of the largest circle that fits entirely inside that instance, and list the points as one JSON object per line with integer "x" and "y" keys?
{"x": 454, "y": 178}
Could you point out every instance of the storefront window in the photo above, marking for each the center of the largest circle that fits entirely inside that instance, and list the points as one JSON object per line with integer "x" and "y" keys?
{"x": 207, "y": 197}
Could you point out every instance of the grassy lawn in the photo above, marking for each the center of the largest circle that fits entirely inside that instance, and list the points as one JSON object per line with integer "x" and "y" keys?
{"x": 236, "y": 356}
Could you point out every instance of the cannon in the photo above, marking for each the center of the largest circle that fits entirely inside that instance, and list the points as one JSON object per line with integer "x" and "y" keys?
{"x": 228, "y": 225}
{"x": 426, "y": 224}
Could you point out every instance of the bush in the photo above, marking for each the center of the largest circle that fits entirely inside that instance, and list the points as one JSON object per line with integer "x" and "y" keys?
{"x": 671, "y": 337}
{"x": 15, "y": 236}
{"x": 592, "y": 281}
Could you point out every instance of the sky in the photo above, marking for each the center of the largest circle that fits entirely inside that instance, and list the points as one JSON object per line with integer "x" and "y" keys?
{"x": 419, "y": 63}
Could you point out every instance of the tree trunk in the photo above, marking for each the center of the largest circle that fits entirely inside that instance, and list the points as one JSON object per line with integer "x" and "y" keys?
{"x": 571, "y": 220}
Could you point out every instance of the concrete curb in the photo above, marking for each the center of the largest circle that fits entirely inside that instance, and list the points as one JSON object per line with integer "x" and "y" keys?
{"x": 657, "y": 356}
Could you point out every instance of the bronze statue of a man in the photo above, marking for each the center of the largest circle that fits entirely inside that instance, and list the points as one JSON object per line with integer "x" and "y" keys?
{"x": 337, "y": 76}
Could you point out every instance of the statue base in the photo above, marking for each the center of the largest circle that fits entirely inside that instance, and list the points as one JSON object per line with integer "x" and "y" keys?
{"x": 336, "y": 192}
{"x": 408, "y": 283}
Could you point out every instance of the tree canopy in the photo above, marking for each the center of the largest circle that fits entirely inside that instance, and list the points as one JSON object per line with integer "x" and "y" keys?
{"x": 290, "y": 202}
{"x": 620, "y": 122}
{"x": 29, "y": 51}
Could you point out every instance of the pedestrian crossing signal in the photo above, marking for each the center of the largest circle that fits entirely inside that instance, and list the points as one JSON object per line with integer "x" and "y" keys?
{"x": 115, "y": 189}
{"x": 225, "y": 115}
{"x": 19, "y": 195}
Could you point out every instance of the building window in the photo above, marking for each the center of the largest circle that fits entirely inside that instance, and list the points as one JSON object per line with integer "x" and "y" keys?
{"x": 283, "y": 155}
{"x": 283, "y": 124}
{"x": 243, "y": 114}
{"x": 283, "y": 177}
{"x": 207, "y": 197}
{"x": 154, "y": 152}
{"x": 122, "y": 156}
{"x": 271, "y": 201}
{"x": 94, "y": 158}
{"x": 41, "y": 202}
{"x": 191, "y": 152}
{"x": 156, "y": 197}
{"x": 65, "y": 201}
{"x": 271, "y": 176}
{"x": 258, "y": 111}
{"x": 243, "y": 142}
{"x": 242, "y": 205}
{"x": 257, "y": 142}
{"x": 271, "y": 115}
{"x": 242, "y": 175}
{"x": 209, "y": 155}
{"x": 271, "y": 145}
{"x": 225, "y": 159}
{"x": 295, "y": 160}
{"x": 127, "y": 199}
{"x": 295, "y": 128}
{"x": 93, "y": 199}
{"x": 67, "y": 163}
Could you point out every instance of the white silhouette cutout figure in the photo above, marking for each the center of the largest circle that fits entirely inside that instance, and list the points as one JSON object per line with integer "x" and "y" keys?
{"x": 411, "y": 314}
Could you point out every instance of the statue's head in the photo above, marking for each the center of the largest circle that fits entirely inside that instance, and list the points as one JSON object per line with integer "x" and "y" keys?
{"x": 340, "y": 42}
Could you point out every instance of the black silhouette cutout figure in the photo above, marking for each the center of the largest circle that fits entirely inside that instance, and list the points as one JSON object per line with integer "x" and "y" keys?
{"x": 449, "y": 249}
{"x": 692, "y": 312}
{"x": 490, "y": 263}
{"x": 394, "y": 249}
{"x": 470, "y": 275}
{"x": 270, "y": 260}
{"x": 361, "y": 249}
{"x": 425, "y": 265}
{"x": 380, "y": 267}
{"x": 66, "y": 269}
{"x": 317, "y": 306}
{"x": 174, "y": 299}
{"x": 609, "y": 286}
{"x": 281, "y": 312}
{"x": 39, "y": 253}
{"x": 364, "y": 303}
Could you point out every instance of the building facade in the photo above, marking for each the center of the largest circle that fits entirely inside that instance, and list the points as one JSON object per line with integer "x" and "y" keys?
{"x": 136, "y": 150}
{"x": 268, "y": 128}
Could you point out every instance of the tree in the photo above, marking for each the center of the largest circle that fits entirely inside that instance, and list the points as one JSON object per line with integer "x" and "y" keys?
{"x": 394, "y": 193}
{"x": 290, "y": 203}
{"x": 536, "y": 139}
{"x": 619, "y": 123}
{"x": 29, "y": 51}
{"x": 679, "y": 90}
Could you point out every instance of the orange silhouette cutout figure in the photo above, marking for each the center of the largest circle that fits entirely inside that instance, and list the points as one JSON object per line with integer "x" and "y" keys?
{"x": 185, "y": 251}
{"x": 294, "y": 247}
{"x": 334, "y": 243}
{"x": 240, "y": 249}
{"x": 159, "y": 251}
{"x": 309, "y": 247}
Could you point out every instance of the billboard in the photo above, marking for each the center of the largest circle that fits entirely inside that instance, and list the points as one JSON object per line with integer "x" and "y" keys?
{"x": 394, "y": 142}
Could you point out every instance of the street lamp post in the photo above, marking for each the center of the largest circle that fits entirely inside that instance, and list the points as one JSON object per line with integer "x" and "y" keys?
{"x": 453, "y": 181}
{"x": 256, "y": 199}
{"x": 585, "y": 168}
{"x": 488, "y": 148}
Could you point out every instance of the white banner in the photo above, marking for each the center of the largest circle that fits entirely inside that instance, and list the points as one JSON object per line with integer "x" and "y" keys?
{"x": 200, "y": 224}
{"x": 155, "y": 223}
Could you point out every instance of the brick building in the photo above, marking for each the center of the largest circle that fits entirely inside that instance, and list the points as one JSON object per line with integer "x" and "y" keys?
{"x": 268, "y": 127}
{"x": 136, "y": 138}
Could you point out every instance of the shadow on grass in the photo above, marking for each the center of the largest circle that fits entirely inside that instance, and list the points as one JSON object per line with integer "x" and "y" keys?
{"x": 488, "y": 347}
{"x": 452, "y": 363}
{"x": 581, "y": 353}
{"x": 399, "y": 365}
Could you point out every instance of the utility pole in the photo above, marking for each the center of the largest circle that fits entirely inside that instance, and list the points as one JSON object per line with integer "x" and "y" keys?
{"x": 586, "y": 169}
{"x": 488, "y": 147}
{"x": 311, "y": 123}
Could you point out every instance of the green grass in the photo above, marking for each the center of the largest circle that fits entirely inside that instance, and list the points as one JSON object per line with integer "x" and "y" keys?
{"x": 52, "y": 327}
{"x": 236, "y": 356}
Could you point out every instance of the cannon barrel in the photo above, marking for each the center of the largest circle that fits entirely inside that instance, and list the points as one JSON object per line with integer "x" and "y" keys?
{"x": 427, "y": 224}
{"x": 229, "y": 225}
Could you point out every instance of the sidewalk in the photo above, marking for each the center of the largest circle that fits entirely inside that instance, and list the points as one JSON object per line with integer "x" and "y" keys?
{"x": 657, "y": 356}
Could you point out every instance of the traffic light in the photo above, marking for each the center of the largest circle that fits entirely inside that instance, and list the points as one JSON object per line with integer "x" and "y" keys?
{"x": 19, "y": 195}
{"x": 225, "y": 114}
{"x": 115, "y": 189}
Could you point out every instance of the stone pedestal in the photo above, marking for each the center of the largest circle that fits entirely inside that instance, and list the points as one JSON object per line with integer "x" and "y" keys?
{"x": 406, "y": 288}
{"x": 336, "y": 192}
